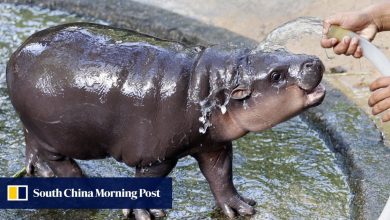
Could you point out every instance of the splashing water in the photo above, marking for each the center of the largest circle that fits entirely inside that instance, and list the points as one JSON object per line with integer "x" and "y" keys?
{"x": 278, "y": 38}
{"x": 206, "y": 111}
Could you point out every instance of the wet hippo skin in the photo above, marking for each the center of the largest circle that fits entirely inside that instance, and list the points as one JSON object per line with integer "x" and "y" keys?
{"x": 88, "y": 91}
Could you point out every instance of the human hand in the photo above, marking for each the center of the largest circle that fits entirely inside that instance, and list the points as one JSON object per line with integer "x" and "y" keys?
{"x": 360, "y": 22}
{"x": 380, "y": 97}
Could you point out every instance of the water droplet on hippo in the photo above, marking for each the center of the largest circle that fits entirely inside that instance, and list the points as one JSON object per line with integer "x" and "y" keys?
{"x": 202, "y": 119}
{"x": 206, "y": 108}
{"x": 202, "y": 130}
{"x": 223, "y": 109}
{"x": 245, "y": 105}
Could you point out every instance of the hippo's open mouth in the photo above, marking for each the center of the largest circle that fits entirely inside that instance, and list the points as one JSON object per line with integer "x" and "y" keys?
{"x": 315, "y": 96}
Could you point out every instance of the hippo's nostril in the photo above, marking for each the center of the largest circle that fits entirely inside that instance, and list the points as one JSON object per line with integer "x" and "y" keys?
{"x": 308, "y": 65}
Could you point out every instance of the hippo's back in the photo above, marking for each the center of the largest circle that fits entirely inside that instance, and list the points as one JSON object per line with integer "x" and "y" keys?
{"x": 95, "y": 57}
{"x": 89, "y": 84}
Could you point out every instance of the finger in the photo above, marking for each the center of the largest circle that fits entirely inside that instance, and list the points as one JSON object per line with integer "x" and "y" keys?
{"x": 352, "y": 46}
{"x": 381, "y": 82}
{"x": 386, "y": 117}
{"x": 228, "y": 211}
{"x": 328, "y": 43}
{"x": 358, "y": 53}
{"x": 333, "y": 20}
{"x": 381, "y": 106}
{"x": 341, "y": 48}
{"x": 325, "y": 29}
{"x": 378, "y": 96}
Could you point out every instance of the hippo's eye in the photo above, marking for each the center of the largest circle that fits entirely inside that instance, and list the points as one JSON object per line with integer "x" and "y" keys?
{"x": 276, "y": 77}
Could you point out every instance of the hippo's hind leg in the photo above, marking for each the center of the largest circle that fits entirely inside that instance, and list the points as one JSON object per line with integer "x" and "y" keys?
{"x": 216, "y": 166}
{"x": 40, "y": 162}
{"x": 158, "y": 170}
{"x": 35, "y": 165}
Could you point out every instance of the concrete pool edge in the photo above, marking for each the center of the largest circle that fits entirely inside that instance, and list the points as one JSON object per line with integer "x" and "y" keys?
{"x": 359, "y": 145}
{"x": 348, "y": 130}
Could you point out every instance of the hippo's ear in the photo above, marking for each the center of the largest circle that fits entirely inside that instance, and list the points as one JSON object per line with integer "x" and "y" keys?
{"x": 240, "y": 92}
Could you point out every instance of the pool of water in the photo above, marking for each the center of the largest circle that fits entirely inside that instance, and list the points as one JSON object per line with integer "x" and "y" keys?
{"x": 288, "y": 170}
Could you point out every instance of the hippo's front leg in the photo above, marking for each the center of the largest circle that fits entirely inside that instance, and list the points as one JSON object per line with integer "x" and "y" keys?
{"x": 216, "y": 166}
{"x": 157, "y": 170}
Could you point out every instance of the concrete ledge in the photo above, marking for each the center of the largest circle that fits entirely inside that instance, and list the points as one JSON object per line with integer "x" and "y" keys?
{"x": 348, "y": 130}
{"x": 145, "y": 19}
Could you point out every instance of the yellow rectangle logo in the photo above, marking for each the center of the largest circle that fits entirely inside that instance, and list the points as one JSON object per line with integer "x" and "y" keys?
{"x": 17, "y": 193}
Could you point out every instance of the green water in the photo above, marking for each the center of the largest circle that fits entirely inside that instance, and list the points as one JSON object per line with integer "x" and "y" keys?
{"x": 288, "y": 170}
